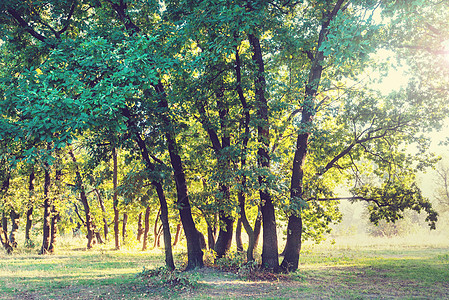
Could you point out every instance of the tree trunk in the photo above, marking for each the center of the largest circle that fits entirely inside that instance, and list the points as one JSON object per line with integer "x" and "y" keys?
{"x": 84, "y": 201}
{"x": 53, "y": 229}
{"x": 46, "y": 234}
{"x": 293, "y": 244}
{"x": 115, "y": 200}
{"x": 29, "y": 224}
{"x": 55, "y": 217}
{"x": 29, "y": 217}
{"x": 194, "y": 252}
{"x": 253, "y": 234}
{"x": 132, "y": 28}
{"x": 224, "y": 240}
{"x": 139, "y": 228}
{"x": 238, "y": 235}
{"x": 255, "y": 240}
{"x": 4, "y": 235}
{"x": 103, "y": 210}
{"x": 4, "y": 226}
{"x": 178, "y": 231}
{"x": 155, "y": 228}
{"x": 294, "y": 227}
{"x": 169, "y": 261}
{"x": 157, "y": 238}
{"x": 98, "y": 236}
{"x": 147, "y": 228}
{"x": 14, "y": 227}
{"x": 124, "y": 223}
{"x": 5, "y": 241}
{"x": 270, "y": 258}
{"x": 160, "y": 192}
{"x": 211, "y": 234}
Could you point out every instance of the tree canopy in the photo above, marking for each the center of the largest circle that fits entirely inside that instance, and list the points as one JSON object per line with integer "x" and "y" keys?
{"x": 252, "y": 113}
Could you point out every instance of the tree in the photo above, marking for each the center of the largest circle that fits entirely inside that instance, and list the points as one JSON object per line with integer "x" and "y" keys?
{"x": 252, "y": 106}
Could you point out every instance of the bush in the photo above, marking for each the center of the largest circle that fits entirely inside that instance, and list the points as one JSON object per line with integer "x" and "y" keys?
{"x": 172, "y": 279}
{"x": 232, "y": 261}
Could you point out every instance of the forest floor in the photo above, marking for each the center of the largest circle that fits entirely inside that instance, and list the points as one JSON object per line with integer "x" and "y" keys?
{"x": 330, "y": 271}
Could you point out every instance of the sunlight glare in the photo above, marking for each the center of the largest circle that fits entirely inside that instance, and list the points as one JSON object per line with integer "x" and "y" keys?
{"x": 394, "y": 78}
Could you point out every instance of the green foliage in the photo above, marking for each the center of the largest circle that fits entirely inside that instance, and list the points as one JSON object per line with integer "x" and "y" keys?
{"x": 71, "y": 69}
{"x": 236, "y": 262}
{"x": 392, "y": 198}
{"x": 232, "y": 261}
{"x": 175, "y": 279}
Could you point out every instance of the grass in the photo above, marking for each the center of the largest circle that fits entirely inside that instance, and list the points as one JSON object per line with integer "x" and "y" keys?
{"x": 382, "y": 269}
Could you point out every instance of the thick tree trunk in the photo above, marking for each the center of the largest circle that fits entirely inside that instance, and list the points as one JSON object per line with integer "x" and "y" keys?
{"x": 124, "y": 224}
{"x": 224, "y": 240}
{"x": 139, "y": 228}
{"x": 84, "y": 201}
{"x": 98, "y": 236}
{"x": 29, "y": 215}
{"x": 5, "y": 241}
{"x": 46, "y": 234}
{"x": 270, "y": 258}
{"x": 293, "y": 244}
{"x": 4, "y": 235}
{"x": 14, "y": 228}
{"x": 115, "y": 200}
{"x": 147, "y": 228}
{"x": 53, "y": 229}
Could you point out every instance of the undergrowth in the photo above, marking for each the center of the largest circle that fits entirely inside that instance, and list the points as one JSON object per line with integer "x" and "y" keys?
{"x": 170, "y": 278}
{"x": 237, "y": 263}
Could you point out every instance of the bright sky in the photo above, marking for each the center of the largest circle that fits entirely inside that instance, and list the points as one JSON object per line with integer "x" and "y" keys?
{"x": 395, "y": 80}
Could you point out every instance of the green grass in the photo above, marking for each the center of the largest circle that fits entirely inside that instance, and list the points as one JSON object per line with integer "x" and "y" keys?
{"x": 326, "y": 272}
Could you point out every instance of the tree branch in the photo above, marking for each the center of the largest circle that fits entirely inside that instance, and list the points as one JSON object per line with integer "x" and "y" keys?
{"x": 69, "y": 16}
{"x": 26, "y": 26}
{"x": 347, "y": 198}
